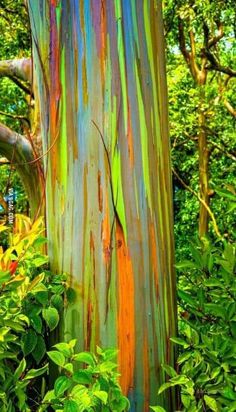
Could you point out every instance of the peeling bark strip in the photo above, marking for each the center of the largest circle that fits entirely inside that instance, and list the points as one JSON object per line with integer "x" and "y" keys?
{"x": 103, "y": 64}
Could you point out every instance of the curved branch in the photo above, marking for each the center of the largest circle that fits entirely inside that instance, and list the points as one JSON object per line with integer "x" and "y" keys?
{"x": 18, "y": 70}
{"x": 18, "y": 150}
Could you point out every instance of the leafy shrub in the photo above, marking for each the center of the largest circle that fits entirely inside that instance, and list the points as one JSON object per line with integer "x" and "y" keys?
{"x": 93, "y": 388}
{"x": 30, "y": 301}
{"x": 206, "y": 366}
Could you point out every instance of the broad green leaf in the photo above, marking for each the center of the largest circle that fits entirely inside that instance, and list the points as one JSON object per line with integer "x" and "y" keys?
{"x": 29, "y": 341}
{"x": 70, "y": 406}
{"x": 39, "y": 350}
{"x": 40, "y": 261}
{"x": 165, "y": 386}
{"x": 215, "y": 310}
{"x": 58, "y": 302}
{"x": 169, "y": 370}
{"x": 179, "y": 380}
{"x": 63, "y": 348}
{"x": 85, "y": 357}
{"x": 51, "y": 317}
{"x": 57, "y": 357}
{"x": 36, "y": 322}
{"x": 4, "y": 277}
{"x": 157, "y": 409}
{"x": 211, "y": 402}
{"x": 61, "y": 385}
{"x": 83, "y": 377}
{"x": 102, "y": 395}
{"x": 186, "y": 297}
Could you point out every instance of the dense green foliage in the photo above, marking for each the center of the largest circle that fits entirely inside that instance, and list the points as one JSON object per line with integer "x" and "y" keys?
{"x": 206, "y": 365}
{"x": 85, "y": 389}
{"x": 27, "y": 292}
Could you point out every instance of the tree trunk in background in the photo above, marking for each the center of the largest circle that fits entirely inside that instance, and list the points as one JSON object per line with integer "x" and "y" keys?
{"x": 102, "y": 89}
{"x": 203, "y": 151}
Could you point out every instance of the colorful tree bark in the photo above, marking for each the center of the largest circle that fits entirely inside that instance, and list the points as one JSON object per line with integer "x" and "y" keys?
{"x": 101, "y": 84}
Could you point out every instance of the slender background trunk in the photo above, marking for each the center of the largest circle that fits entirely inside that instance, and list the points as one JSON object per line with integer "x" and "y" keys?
{"x": 101, "y": 83}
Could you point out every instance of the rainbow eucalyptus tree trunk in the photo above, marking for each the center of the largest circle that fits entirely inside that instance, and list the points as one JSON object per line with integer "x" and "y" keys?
{"x": 102, "y": 90}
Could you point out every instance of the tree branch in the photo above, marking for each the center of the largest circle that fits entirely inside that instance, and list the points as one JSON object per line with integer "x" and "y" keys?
{"x": 182, "y": 42}
{"x": 15, "y": 116}
{"x": 18, "y": 150}
{"x": 18, "y": 70}
{"x": 215, "y": 39}
{"x": 215, "y": 65}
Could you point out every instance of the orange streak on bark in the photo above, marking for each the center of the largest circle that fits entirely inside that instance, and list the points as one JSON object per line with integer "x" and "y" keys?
{"x": 154, "y": 257}
{"x": 126, "y": 329}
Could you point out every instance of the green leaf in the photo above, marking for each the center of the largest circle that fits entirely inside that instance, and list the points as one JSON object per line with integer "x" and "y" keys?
{"x": 35, "y": 282}
{"x": 33, "y": 373}
{"x": 57, "y": 357}
{"x": 213, "y": 282}
{"x": 229, "y": 393}
{"x": 211, "y": 402}
{"x": 40, "y": 261}
{"x": 29, "y": 341}
{"x": 70, "y": 406}
{"x": 71, "y": 296}
{"x": 180, "y": 342}
{"x": 4, "y": 277}
{"x": 83, "y": 377}
{"x": 61, "y": 385}
{"x": 169, "y": 370}
{"x": 157, "y": 409}
{"x": 179, "y": 380}
{"x": 186, "y": 297}
{"x": 185, "y": 264}
{"x": 51, "y": 317}
{"x": 39, "y": 350}
{"x": 102, "y": 395}
{"x": 49, "y": 396}
{"x": 36, "y": 322}
{"x": 85, "y": 357}
{"x": 184, "y": 356}
{"x": 20, "y": 369}
{"x": 57, "y": 302}
{"x": 215, "y": 310}
{"x": 69, "y": 367}
{"x": 63, "y": 348}
{"x": 165, "y": 386}
{"x": 42, "y": 297}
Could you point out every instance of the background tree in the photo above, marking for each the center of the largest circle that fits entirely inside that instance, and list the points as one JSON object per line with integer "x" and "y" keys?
{"x": 201, "y": 73}
{"x": 16, "y": 109}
